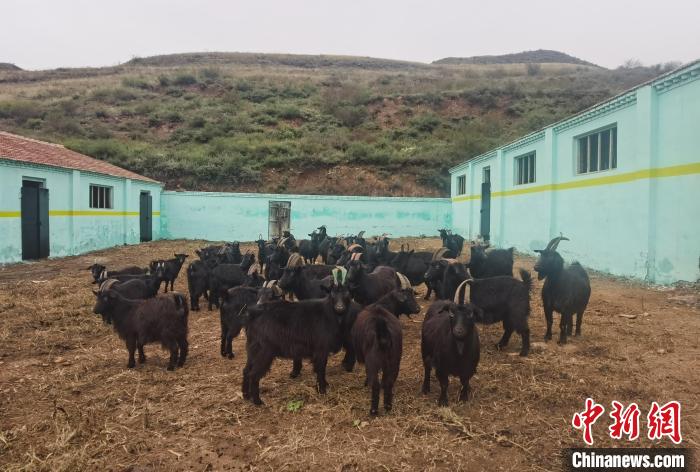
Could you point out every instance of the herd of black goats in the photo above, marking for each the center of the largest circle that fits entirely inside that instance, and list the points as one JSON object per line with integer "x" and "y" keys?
{"x": 352, "y": 300}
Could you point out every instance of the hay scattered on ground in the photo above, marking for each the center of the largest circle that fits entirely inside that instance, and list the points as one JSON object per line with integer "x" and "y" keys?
{"x": 67, "y": 401}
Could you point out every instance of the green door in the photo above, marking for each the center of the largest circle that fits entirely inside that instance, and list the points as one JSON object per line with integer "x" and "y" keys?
{"x": 35, "y": 221}
{"x": 146, "y": 217}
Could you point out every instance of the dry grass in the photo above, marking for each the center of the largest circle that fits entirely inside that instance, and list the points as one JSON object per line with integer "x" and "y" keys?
{"x": 67, "y": 402}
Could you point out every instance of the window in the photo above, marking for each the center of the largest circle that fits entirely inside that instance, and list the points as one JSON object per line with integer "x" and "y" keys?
{"x": 461, "y": 185}
{"x": 525, "y": 169}
{"x": 100, "y": 196}
{"x": 597, "y": 151}
{"x": 487, "y": 175}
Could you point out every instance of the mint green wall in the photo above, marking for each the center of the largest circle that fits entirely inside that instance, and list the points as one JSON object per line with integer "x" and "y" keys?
{"x": 641, "y": 219}
{"x": 243, "y": 217}
{"x": 74, "y": 227}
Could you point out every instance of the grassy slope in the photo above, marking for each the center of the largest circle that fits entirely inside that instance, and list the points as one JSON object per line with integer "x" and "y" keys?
{"x": 297, "y": 124}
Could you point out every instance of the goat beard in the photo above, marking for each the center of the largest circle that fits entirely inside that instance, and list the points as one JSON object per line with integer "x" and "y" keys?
{"x": 460, "y": 347}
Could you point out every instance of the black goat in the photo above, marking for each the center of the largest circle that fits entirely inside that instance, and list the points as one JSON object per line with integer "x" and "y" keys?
{"x": 450, "y": 344}
{"x": 168, "y": 270}
{"x": 505, "y": 299}
{"x": 234, "y": 311}
{"x": 377, "y": 340}
{"x": 139, "y": 322}
{"x": 309, "y": 249}
{"x": 566, "y": 289}
{"x": 366, "y": 288}
{"x": 197, "y": 282}
{"x": 444, "y": 276}
{"x": 495, "y": 262}
{"x": 413, "y": 265}
{"x": 100, "y": 272}
{"x": 454, "y": 242}
{"x": 302, "y": 282}
{"x": 226, "y": 276}
{"x": 136, "y": 289}
{"x": 304, "y": 329}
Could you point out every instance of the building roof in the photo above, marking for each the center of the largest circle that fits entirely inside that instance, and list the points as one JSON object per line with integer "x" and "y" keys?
{"x": 684, "y": 72}
{"x": 32, "y": 151}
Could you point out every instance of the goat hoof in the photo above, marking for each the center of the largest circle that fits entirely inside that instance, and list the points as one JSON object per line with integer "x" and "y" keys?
{"x": 425, "y": 390}
{"x": 547, "y": 337}
{"x": 442, "y": 402}
{"x": 561, "y": 342}
{"x": 524, "y": 353}
{"x": 170, "y": 368}
{"x": 373, "y": 412}
{"x": 258, "y": 402}
{"x": 130, "y": 365}
{"x": 348, "y": 367}
{"x": 142, "y": 360}
{"x": 230, "y": 355}
{"x": 294, "y": 375}
{"x": 463, "y": 397}
{"x": 387, "y": 408}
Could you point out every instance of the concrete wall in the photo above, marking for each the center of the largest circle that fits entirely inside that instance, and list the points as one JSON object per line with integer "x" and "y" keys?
{"x": 243, "y": 217}
{"x": 74, "y": 227}
{"x": 641, "y": 219}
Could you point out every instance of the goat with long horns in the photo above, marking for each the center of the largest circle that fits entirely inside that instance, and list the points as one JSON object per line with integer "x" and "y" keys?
{"x": 566, "y": 289}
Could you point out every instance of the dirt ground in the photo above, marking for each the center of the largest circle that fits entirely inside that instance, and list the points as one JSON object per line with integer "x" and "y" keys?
{"x": 68, "y": 402}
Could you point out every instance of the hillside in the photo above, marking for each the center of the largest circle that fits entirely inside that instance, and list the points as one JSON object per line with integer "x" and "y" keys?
{"x": 540, "y": 56}
{"x": 298, "y": 124}
{"x": 8, "y": 66}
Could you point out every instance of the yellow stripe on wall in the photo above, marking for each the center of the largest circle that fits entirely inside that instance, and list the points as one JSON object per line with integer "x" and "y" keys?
{"x": 17, "y": 214}
{"x": 673, "y": 171}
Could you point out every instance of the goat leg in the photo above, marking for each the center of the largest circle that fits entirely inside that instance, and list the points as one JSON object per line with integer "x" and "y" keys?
{"x": 548, "y": 315}
{"x": 444, "y": 379}
{"x": 296, "y": 368}
{"x": 464, "y": 393}
{"x": 388, "y": 386}
{"x": 131, "y": 347}
{"x": 320, "y": 369}
{"x": 426, "y": 378}
{"x": 565, "y": 320}
{"x": 579, "y": 319}
{"x": 142, "y": 356}
{"x": 184, "y": 348}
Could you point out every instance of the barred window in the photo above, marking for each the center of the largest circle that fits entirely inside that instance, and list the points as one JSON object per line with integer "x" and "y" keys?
{"x": 597, "y": 151}
{"x": 461, "y": 185}
{"x": 525, "y": 169}
{"x": 100, "y": 196}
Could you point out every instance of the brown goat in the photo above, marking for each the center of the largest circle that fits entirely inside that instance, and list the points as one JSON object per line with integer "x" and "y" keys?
{"x": 155, "y": 320}
{"x": 377, "y": 340}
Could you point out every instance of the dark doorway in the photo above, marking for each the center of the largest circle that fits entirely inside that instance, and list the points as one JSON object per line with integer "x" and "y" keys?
{"x": 35, "y": 220}
{"x": 146, "y": 216}
{"x": 486, "y": 204}
{"x": 278, "y": 218}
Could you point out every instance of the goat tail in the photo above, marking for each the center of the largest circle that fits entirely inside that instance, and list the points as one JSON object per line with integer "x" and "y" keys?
{"x": 383, "y": 335}
{"x": 527, "y": 279}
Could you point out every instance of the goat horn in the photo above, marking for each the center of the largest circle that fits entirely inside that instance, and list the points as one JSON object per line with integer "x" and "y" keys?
{"x": 554, "y": 243}
{"x": 405, "y": 283}
{"x": 460, "y": 288}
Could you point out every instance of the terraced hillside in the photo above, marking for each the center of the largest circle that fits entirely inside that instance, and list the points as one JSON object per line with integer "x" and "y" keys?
{"x": 298, "y": 124}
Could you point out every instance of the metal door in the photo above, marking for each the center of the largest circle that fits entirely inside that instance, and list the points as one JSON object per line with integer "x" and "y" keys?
{"x": 146, "y": 217}
{"x": 35, "y": 221}
{"x": 279, "y": 217}
{"x": 485, "y": 210}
